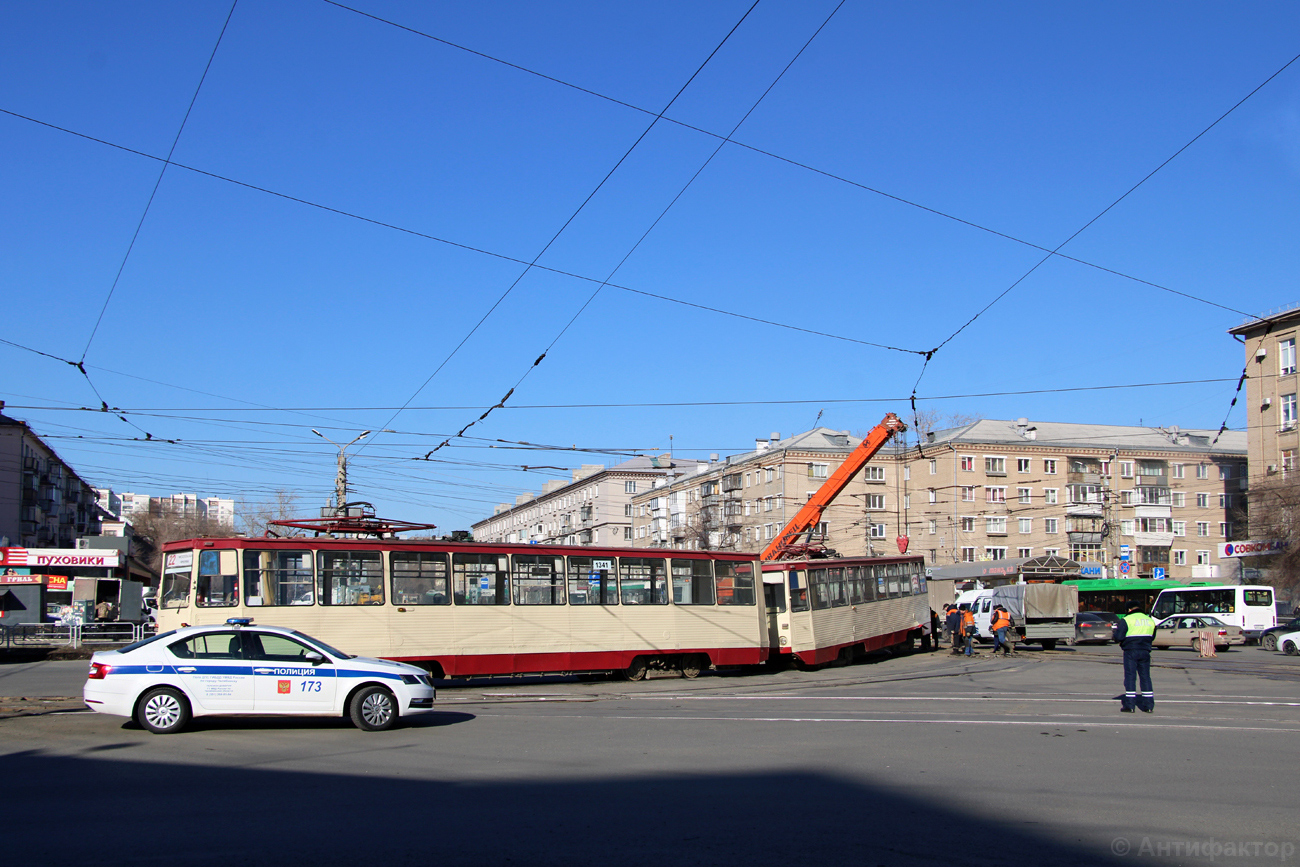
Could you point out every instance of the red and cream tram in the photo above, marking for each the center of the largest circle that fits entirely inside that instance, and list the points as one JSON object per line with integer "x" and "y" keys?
{"x": 466, "y": 609}
{"x": 823, "y": 610}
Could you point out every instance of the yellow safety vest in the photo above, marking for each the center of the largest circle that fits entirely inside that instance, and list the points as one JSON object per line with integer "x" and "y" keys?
{"x": 1140, "y": 624}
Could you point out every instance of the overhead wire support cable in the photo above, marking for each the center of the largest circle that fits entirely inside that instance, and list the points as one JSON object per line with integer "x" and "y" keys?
{"x": 556, "y": 236}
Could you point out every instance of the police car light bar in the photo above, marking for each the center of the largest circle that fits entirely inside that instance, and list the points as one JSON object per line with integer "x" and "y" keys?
{"x": 238, "y": 621}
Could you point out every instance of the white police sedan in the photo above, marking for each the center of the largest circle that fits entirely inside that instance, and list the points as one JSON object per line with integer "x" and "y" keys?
{"x": 241, "y": 669}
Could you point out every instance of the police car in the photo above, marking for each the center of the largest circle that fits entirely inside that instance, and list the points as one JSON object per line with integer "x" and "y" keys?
{"x": 240, "y": 668}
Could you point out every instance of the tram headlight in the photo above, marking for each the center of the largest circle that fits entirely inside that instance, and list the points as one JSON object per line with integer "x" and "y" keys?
{"x": 784, "y": 641}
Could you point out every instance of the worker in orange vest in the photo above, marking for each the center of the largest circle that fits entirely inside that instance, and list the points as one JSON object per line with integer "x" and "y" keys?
{"x": 1001, "y": 623}
{"x": 968, "y": 628}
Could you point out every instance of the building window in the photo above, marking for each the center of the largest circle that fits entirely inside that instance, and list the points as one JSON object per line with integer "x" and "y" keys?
{"x": 1288, "y": 411}
{"x": 934, "y": 467}
{"x": 1179, "y": 499}
{"x": 1225, "y": 529}
{"x": 1202, "y": 501}
{"x": 1180, "y": 558}
{"x": 1050, "y": 526}
{"x": 1026, "y": 526}
{"x": 1180, "y": 528}
{"x": 1203, "y": 528}
{"x": 995, "y": 494}
{"x": 1126, "y": 527}
{"x": 1202, "y": 471}
{"x": 968, "y": 555}
{"x": 1052, "y": 552}
{"x": 820, "y": 471}
{"x": 968, "y": 494}
{"x": 1286, "y": 356}
{"x": 873, "y": 474}
{"x": 967, "y": 524}
{"x": 968, "y": 463}
{"x": 627, "y": 534}
{"x": 1225, "y": 501}
{"x": 877, "y": 531}
{"x": 1049, "y": 466}
{"x": 1025, "y": 552}
{"x": 995, "y": 526}
{"x": 995, "y": 466}
{"x": 629, "y": 487}
{"x": 934, "y": 496}
{"x": 627, "y": 510}
{"x": 1025, "y": 496}
{"x": 995, "y": 553}
{"x": 1176, "y": 471}
{"x": 1202, "y": 558}
{"x": 1022, "y": 465}
{"x": 769, "y": 473}
{"x": 1126, "y": 469}
{"x": 1288, "y": 462}
{"x": 875, "y": 501}
{"x": 1049, "y": 496}
{"x": 934, "y": 526}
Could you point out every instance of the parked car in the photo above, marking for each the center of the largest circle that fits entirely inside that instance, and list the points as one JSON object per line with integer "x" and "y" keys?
{"x": 1289, "y": 643}
{"x": 1184, "y": 630}
{"x": 1268, "y": 638}
{"x": 1090, "y": 627}
{"x": 239, "y": 668}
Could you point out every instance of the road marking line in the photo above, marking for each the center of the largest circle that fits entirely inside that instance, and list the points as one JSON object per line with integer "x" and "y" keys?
{"x": 997, "y": 698}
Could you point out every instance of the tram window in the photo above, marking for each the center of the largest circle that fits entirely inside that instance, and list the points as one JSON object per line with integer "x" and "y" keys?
{"x": 853, "y": 580}
{"x": 693, "y": 582}
{"x": 419, "y": 578}
{"x": 479, "y": 579}
{"x": 350, "y": 577}
{"x": 735, "y": 582}
{"x": 798, "y": 591}
{"x": 218, "y": 584}
{"x": 539, "y": 579}
{"x": 278, "y": 578}
{"x": 593, "y": 581}
{"x": 176, "y": 579}
{"x": 835, "y": 587}
{"x": 880, "y": 585}
{"x": 817, "y": 585}
{"x": 643, "y": 580}
{"x": 774, "y": 597}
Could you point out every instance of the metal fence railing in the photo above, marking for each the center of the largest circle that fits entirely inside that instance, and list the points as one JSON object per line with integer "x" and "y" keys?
{"x": 35, "y": 635}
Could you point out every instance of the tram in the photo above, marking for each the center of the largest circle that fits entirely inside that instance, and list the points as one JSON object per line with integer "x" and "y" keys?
{"x": 464, "y": 609}
{"x": 821, "y": 610}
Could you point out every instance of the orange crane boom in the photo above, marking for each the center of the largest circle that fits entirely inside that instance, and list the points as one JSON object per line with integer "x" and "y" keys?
{"x": 811, "y": 513}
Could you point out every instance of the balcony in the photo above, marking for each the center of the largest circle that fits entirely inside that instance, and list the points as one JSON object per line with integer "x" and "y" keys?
{"x": 1153, "y": 511}
{"x": 1153, "y": 540}
{"x": 1084, "y": 510}
{"x": 1090, "y": 478}
{"x": 1085, "y": 537}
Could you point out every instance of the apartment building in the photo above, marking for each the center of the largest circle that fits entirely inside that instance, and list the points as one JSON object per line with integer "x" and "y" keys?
{"x": 985, "y": 491}
{"x": 129, "y": 504}
{"x": 741, "y": 502}
{"x": 43, "y": 502}
{"x": 595, "y": 508}
{"x": 1272, "y": 422}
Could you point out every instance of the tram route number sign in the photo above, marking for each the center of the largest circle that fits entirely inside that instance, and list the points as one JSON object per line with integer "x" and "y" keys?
{"x": 602, "y": 565}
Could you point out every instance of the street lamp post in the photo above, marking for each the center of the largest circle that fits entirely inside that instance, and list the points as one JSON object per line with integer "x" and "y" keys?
{"x": 341, "y": 477}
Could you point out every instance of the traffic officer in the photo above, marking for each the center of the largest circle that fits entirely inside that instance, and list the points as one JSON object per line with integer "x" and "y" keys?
{"x": 1134, "y": 634}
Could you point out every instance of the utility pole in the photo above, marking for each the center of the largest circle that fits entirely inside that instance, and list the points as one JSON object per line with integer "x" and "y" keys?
{"x": 341, "y": 477}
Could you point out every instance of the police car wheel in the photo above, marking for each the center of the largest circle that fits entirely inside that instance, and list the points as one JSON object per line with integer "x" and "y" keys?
{"x": 1290, "y": 649}
{"x": 163, "y": 711}
{"x": 373, "y": 709}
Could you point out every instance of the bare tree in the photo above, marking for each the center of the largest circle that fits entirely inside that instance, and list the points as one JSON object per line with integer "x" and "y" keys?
{"x": 1275, "y": 514}
{"x": 930, "y": 420}
{"x": 254, "y": 517}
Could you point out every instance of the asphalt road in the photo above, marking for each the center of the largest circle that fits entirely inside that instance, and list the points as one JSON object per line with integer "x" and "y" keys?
{"x": 926, "y": 759}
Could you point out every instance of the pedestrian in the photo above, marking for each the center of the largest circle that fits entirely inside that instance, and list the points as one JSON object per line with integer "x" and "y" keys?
{"x": 968, "y": 630}
{"x": 952, "y": 622}
{"x": 1134, "y": 634}
{"x": 1001, "y": 623}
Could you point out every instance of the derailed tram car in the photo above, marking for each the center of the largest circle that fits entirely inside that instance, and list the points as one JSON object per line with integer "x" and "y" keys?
{"x": 823, "y": 610}
{"x": 463, "y": 609}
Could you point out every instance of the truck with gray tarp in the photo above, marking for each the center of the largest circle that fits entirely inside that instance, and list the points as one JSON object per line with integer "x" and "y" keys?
{"x": 1040, "y": 613}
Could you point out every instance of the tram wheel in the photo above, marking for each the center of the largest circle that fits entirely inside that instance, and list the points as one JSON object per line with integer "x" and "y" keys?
{"x": 691, "y": 665}
{"x": 635, "y": 671}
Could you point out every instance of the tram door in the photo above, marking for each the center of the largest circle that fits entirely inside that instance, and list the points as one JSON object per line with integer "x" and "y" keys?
{"x": 778, "y": 617}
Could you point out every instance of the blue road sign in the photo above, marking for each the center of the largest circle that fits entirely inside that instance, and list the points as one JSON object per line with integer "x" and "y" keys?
{"x": 1158, "y": 573}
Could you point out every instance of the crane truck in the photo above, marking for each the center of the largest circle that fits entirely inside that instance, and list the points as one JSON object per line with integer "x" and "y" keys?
{"x": 786, "y": 545}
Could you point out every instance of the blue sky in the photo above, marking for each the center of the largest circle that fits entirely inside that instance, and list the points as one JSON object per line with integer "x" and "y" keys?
{"x": 348, "y": 198}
